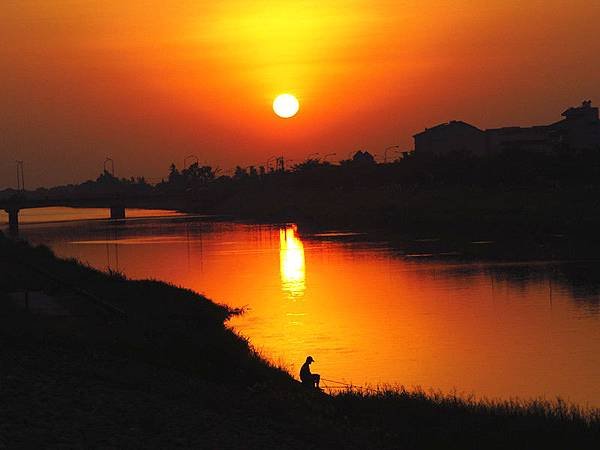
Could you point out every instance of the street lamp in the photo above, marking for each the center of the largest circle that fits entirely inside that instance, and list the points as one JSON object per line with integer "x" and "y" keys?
{"x": 20, "y": 176}
{"x": 269, "y": 161}
{"x": 328, "y": 154}
{"x": 112, "y": 165}
{"x": 188, "y": 157}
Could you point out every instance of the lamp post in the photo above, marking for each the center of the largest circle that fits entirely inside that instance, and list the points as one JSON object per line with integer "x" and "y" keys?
{"x": 189, "y": 157}
{"x": 20, "y": 176}
{"x": 267, "y": 164}
{"x": 112, "y": 165}
{"x": 328, "y": 154}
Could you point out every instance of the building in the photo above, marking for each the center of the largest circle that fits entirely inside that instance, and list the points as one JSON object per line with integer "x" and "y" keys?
{"x": 450, "y": 137}
{"x": 537, "y": 138}
{"x": 579, "y": 130}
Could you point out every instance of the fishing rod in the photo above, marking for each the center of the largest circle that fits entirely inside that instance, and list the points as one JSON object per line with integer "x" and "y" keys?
{"x": 347, "y": 386}
{"x": 338, "y": 382}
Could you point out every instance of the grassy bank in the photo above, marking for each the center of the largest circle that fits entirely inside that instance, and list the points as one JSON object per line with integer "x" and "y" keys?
{"x": 124, "y": 363}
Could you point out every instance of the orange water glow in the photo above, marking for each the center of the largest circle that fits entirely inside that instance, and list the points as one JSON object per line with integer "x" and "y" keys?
{"x": 367, "y": 315}
{"x": 291, "y": 261}
{"x": 62, "y": 214}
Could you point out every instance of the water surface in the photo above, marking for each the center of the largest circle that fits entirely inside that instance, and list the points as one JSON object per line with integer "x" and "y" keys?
{"x": 367, "y": 313}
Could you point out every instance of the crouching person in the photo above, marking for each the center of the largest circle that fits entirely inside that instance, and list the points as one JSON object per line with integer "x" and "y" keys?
{"x": 309, "y": 379}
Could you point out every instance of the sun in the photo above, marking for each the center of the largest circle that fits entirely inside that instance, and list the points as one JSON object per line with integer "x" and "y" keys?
{"x": 286, "y": 105}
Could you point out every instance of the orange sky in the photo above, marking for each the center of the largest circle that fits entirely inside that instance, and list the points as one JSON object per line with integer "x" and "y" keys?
{"x": 149, "y": 82}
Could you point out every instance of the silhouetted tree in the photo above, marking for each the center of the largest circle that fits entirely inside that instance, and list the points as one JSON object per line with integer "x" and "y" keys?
{"x": 311, "y": 163}
{"x": 239, "y": 173}
{"x": 363, "y": 158}
{"x": 196, "y": 175}
{"x": 174, "y": 174}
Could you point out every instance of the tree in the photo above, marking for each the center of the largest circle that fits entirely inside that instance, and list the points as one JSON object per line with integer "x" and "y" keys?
{"x": 174, "y": 175}
{"x": 239, "y": 173}
{"x": 363, "y": 158}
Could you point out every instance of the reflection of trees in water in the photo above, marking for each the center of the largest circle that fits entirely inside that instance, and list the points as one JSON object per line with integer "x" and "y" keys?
{"x": 580, "y": 279}
{"x": 583, "y": 279}
{"x": 112, "y": 236}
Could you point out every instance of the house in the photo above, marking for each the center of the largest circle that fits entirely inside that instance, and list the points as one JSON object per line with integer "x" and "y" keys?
{"x": 537, "y": 138}
{"x": 451, "y": 137}
{"x": 579, "y": 130}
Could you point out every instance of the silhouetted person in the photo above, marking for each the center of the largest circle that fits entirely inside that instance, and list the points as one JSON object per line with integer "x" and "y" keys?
{"x": 309, "y": 379}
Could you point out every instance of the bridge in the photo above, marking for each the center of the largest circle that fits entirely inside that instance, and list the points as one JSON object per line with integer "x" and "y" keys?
{"x": 116, "y": 204}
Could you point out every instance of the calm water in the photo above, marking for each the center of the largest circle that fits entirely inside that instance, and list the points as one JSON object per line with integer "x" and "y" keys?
{"x": 367, "y": 314}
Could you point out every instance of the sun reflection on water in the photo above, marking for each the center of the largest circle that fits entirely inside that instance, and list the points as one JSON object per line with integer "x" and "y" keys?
{"x": 291, "y": 261}
{"x": 454, "y": 325}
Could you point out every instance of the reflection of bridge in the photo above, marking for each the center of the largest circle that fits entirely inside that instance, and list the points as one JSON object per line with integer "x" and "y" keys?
{"x": 116, "y": 205}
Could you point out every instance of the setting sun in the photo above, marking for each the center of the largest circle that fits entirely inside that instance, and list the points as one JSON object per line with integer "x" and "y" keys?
{"x": 286, "y": 105}
{"x": 426, "y": 227}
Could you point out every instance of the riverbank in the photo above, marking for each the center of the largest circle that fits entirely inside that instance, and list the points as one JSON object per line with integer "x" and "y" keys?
{"x": 525, "y": 223}
{"x": 117, "y": 362}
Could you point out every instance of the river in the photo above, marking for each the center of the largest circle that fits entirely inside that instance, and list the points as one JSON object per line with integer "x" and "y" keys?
{"x": 368, "y": 313}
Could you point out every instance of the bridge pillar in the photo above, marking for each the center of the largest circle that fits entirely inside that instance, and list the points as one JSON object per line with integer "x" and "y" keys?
{"x": 13, "y": 220}
{"x": 117, "y": 212}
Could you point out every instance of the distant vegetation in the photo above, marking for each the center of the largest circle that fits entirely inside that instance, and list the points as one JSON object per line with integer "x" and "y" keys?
{"x": 166, "y": 372}
{"x": 517, "y": 192}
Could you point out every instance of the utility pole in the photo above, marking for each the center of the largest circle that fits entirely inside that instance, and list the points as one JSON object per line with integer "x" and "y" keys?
{"x": 20, "y": 176}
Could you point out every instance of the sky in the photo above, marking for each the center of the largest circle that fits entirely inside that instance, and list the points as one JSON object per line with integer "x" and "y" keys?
{"x": 148, "y": 82}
